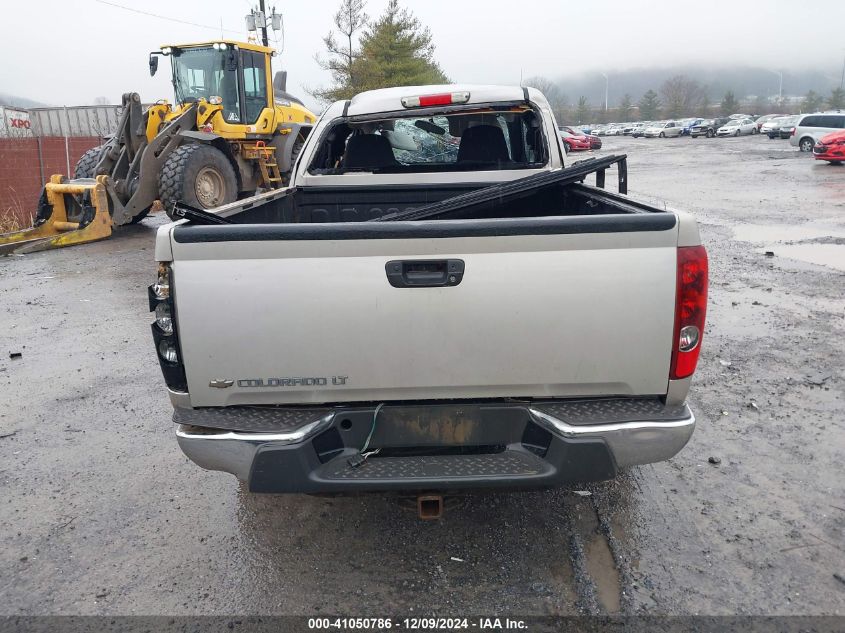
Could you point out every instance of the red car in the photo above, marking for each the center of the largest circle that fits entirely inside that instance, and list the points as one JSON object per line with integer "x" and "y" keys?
{"x": 574, "y": 142}
{"x": 577, "y": 141}
{"x": 595, "y": 141}
{"x": 831, "y": 148}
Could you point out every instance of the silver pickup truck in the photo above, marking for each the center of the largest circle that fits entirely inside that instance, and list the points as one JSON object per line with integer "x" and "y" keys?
{"x": 435, "y": 303}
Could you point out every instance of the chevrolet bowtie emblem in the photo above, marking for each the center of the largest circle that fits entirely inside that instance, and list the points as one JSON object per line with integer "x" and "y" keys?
{"x": 221, "y": 384}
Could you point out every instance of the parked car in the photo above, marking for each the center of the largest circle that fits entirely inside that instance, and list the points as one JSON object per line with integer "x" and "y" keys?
{"x": 574, "y": 142}
{"x": 707, "y": 127}
{"x": 599, "y": 130}
{"x": 772, "y": 127}
{"x": 787, "y": 127}
{"x": 831, "y": 148}
{"x": 741, "y": 116}
{"x": 688, "y": 124}
{"x": 415, "y": 356}
{"x": 638, "y": 129}
{"x": 810, "y": 128}
{"x": 615, "y": 130}
{"x": 765, "y": 119}
{"x": 663, "y": 129}
{"x": 737, "y": 127}
{"x": 595, "y": 141}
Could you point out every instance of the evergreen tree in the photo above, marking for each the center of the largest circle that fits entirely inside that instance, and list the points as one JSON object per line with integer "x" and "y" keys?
{"x": 649, "y": 106}
{"x": 582, "y": 114}
{"x": 729, "y": 104}
{"x": 837, "y": 99}
{"x": 625, "y": 107}
{"x": 812, "y": 102}
{"x": 396, "y": 50}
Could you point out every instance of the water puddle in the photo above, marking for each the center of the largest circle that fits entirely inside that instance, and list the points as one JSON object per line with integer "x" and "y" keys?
{"x": 602, "y": 569}
{"x": 786, "y": 232}
{"x": 830, "y": 255}
{"x": 825, "y": 242}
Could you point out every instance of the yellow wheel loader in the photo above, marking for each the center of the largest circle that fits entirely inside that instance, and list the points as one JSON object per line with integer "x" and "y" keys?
{"x": 232, "y": 129}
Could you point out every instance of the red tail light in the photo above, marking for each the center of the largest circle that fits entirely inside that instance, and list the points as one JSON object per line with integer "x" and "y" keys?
{"x": 792, "y": 131}
{"x": 690, "y": 310}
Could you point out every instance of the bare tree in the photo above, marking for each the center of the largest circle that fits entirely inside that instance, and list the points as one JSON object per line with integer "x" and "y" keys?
{"x": 342, "y": 55}
{"x": 681, "y": 96}
{"x": 557, "y": 100}
{"x": 101, "y": 101}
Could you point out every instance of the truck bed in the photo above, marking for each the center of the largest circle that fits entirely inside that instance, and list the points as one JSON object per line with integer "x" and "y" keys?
{"x": 336, "y": 204}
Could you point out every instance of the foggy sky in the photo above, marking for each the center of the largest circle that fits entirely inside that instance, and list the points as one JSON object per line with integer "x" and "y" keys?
{"x": 70, "y": 52}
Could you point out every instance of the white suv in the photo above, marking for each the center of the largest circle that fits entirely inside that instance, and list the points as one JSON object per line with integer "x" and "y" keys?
{"x": 809, "y": 128}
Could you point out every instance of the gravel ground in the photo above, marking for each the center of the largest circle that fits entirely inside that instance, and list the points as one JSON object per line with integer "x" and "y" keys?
{"x": 101, "y": 514}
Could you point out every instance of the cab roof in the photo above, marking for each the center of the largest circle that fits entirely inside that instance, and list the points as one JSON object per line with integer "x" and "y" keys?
{"x": 248, "y": 46}
{"x": 390, "y": 99}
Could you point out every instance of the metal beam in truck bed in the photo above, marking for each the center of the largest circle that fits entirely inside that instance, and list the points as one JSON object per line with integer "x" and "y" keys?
{"x": 502, "y": 191}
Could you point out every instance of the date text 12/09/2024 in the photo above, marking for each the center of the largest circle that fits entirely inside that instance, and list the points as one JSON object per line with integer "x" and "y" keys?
{"x": 415, "y": 624}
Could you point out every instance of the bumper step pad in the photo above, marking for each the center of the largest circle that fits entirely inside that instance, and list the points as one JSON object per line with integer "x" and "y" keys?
{"x": 249, "y": 419}
{"x": 505, "y": 464}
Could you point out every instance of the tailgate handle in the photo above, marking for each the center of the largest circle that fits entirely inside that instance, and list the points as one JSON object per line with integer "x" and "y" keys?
{"x": 424, "y": 273}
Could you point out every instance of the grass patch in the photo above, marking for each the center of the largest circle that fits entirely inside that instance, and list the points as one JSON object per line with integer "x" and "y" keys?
{"x": 9, "y": 221}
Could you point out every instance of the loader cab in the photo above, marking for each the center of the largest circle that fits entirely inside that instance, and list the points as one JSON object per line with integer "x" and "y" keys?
{"x": 231, "y": 74}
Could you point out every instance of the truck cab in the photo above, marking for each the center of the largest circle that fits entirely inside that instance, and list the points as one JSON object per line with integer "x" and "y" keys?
{"x": 235, "y": 77}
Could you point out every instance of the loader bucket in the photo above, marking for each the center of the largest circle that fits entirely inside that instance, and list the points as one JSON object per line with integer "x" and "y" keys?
{"x": 70, "y": 212}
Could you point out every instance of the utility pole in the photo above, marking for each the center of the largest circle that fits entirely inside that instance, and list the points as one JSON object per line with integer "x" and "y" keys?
{"x": 842, "y": 80}
{"x": 263, "y": 11}
{"x": 606, "y": 89}
{"x": 780, "y": 85}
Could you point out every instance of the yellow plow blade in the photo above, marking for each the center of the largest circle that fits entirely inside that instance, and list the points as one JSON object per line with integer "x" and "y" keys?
{"x": 57, "y": 229}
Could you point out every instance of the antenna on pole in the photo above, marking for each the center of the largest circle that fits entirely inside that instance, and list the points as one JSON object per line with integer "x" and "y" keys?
{"x": 258, "y": 20}
{"x": 262, "y": 13}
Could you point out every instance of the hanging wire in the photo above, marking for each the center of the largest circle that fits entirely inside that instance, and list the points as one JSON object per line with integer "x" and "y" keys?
{"x": 372, "y": 429}
{"x": 164, "y": 17}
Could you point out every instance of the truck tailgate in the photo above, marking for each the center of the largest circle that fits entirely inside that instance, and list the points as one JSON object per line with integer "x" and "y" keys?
{"x": 546, "y": 307}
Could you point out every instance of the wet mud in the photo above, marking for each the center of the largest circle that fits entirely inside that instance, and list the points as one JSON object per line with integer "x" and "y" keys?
{"x": 102, "y": 514}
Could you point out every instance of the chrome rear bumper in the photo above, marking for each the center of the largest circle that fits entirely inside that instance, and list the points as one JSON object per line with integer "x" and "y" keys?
{"x": 628, "y": 431}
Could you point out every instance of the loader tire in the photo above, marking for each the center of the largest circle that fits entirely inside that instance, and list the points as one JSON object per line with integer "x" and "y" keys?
{"x": 295, "y": 151}
{"x": 198, "y": 175}
{"x": 87, "y": 162}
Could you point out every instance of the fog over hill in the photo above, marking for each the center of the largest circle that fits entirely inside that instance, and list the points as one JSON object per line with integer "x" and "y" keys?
{"x": 744, "y": 81}
{"x": 14, "y": 101}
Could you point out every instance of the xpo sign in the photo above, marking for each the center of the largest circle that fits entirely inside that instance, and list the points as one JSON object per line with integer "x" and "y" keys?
{"x": 14, "y": 123}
